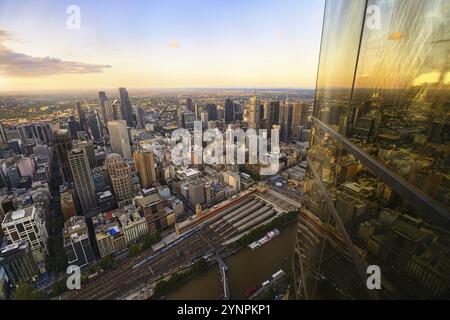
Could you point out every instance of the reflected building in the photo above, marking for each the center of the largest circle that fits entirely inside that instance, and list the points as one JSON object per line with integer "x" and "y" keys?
{"x": 378, "y": 164}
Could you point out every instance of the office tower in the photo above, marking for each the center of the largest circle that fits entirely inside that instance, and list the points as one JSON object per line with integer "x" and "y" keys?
{"x": 229, "y": 111}
{"x": 212, "y": 111}
{"x": 296, "y": 120}
{"x": 44, "y": 133}
{"x": 15, "y": 145}
{"x": 18, "y": 261}
{"x": 204, "y": 119}
{"x": 28, "y": 224}
{"x": 26, "y": 133}
{"x": 145, "y": 166}
{"x": 140, "y": 122}
{"x": 254, "y": 113}
{"x": 82, "y": 177}
{"x": 127, "y": 111}
{"x": 189, "y": 105}
{"x": 73, "y": 128}
{"x": 82, "y": 117}
{"x": 116, "y": 111}
{"x": 94, "y": 126}
{"x": 120, "y": 177}
{"x": 68, "y": 207}
{"x": 286, "y": 113}
{"x": 197, "y": 192}
{"x": 388, "y": 83}
{"x": 76, "y": 242}
{"x": 188, "y": 119}
{"x": 274, "y": 113}
{"x": 89, "y": 149}
{"x": 120, "y": 142}
{"x": 63, "y": 144}
{"x": 3, "y": 137}
{"x": 106, "y": 110}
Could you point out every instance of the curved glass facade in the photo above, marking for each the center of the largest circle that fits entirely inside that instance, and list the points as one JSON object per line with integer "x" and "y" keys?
{"x": 380, "y": 154}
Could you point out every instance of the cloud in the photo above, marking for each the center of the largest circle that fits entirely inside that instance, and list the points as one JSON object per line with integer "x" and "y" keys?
{"x": 23, "y": 65}
{"x": 174, "y": 44}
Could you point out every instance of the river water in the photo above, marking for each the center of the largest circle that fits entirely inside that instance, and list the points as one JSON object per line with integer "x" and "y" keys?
{"x": 246, "y": 268}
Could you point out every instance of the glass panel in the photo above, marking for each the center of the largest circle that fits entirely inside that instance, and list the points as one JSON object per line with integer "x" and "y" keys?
{"x": 339, "y": 48}
{"x": 401, "y": 100}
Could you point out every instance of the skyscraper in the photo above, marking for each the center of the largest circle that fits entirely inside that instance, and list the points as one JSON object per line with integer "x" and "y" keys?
{"x": 140, "y": 122}
{"x": 82, "y": 117}
{"x": 212, "y": 111}
{"x": 229, "y": 111}
{"x": 388, "y": 80}
{"x": 274, "y": 113}
{"x": 145, "y": 166}
{"x": 254, "y": 113}
{"x": 3, "y": 137}
{"x": 76, "y": 242}
{"x": 106, "y": 111}
{"x": 120, "y": 176}
{"x": 127, "y": 111}
{"x": 286, "y": 114}
{"x": 189, "y": 105}
{"x": 63, "y": 144}
{"x": 82, "y": 177}
{"x": 120, "y": 141}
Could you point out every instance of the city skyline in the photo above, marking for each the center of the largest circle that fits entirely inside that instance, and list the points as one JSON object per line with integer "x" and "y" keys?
{"x": 263, "y": 44}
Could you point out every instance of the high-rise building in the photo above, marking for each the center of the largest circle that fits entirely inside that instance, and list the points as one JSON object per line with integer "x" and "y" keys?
{"x": 211, "y": 108}
{"x": 63, "y": 144}
{"x": 82, "y": 117}
{"x": 229, "y": 110}
{"x": 106, "y": 110}
{"x": 18, "y": 261}
{"x": 82, "y": 177}
{"x": 127, "y": 111}
{"x": 120, "y": 141}
{"x": 116, "y": 111}
{"x": 140, "y": 121}
{"x": 145, "y": 166}
{"x": 254, "y": 116}
{"x": 197, "y": 191}
{"x": 121, "y": 179}
{"x": 189, "y": 105}
{"x": 77, "y": 245}
{"x": 188, "y": 119}
{"x": 68, "y": 207}
{"x": 94, "y": 126}
{"x": 3, "y": 137}
{"x": 88, "y": 147}
{"x": 379, "y": 88}
{"x": 286, "y": 114}
{"x": 296, "y": 119}
{"x": 28, "y": 224}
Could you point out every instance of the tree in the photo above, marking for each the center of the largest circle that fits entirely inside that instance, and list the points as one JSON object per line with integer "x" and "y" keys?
{"x": 107, "y": 262}
{"x": 134, "y": 250}
{"x": 25, "y": 291}
{"x": 151, "y": 239}
{"x": 60, "y": 287}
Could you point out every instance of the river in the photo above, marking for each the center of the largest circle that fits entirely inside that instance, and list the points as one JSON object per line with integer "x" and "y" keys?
{"x": 246, "y": 268}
